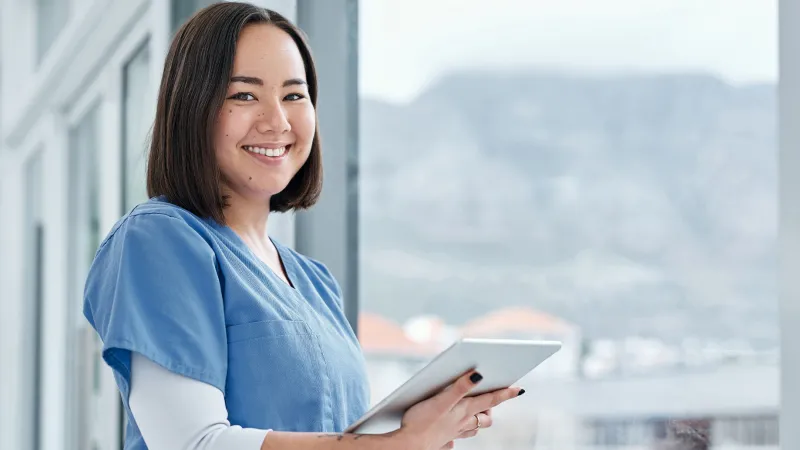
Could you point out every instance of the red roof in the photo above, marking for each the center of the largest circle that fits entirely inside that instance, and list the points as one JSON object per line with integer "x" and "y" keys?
{"x": 379, "y": 335}
{"x": 516, "y": 320}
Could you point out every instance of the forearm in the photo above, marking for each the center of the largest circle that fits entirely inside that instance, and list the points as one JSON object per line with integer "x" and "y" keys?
{"x": 276, "y": 440}
{"x": 175, "y": 412}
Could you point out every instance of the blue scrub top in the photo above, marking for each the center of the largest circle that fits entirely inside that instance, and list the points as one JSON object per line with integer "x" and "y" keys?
{"x": 187, "y": 293}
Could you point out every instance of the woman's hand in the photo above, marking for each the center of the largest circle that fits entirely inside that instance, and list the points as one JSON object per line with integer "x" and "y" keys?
{"x": 435, "y": 423}
{"x": 486, "y": 421}
{"x": 485, "y": 418}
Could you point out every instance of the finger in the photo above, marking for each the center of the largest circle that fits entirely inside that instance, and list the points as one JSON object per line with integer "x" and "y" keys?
{"x": 490, "y": 400}
{"x": 456, "y": 391}
{"x": 486, "y": 420}
{"x": 467, "y": 434}
{"x": 469, "y": 429}
{"x": 449, "y": 445}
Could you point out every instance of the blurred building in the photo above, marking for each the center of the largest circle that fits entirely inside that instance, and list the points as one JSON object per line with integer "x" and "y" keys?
{"x": 670, "y": 408}
{"x": 664, "y": 408}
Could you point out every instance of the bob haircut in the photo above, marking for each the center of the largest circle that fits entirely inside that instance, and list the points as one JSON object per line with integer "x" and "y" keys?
{"x": 182, "y": 165}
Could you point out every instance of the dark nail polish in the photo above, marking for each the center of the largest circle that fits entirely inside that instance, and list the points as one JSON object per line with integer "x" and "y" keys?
{"x": 521, "y": 391}
{"x": 475, "y": 378}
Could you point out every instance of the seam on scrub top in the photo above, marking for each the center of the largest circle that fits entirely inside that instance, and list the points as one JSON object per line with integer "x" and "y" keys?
{"x": 255, "y": 338}
{"x": 132, "y": 215}
{"x": 328, "y": 401}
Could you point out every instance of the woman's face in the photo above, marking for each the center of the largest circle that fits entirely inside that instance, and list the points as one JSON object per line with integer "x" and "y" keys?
{"x": 266, "y": 125}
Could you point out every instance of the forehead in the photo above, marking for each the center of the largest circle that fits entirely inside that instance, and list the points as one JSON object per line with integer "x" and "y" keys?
{"x": 267, "y": 52}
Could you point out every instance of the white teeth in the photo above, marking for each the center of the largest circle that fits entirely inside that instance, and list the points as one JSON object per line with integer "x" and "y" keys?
{"x": 273, "y": 152}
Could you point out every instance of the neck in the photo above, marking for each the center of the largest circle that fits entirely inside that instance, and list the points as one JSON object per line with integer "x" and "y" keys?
{"x": 248, "y": 218}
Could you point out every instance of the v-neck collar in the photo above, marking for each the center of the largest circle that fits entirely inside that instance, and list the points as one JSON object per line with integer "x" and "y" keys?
{"x": 287, "y": 263}
{"x": 285, "y": 259}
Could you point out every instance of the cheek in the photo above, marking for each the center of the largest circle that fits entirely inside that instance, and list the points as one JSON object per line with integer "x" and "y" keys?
{"x": 304, "y": 125}
{"x": 231, "y": 128}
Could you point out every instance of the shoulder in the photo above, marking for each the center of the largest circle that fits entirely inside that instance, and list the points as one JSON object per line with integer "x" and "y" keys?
{"x": 155, "y": 253}
{"x": 154, "y": 288}
{"x": 154, "y": 218}
{"x": 155, "y": 234}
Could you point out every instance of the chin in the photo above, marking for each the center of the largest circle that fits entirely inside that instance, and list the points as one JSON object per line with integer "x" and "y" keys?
{"x": 268, "y": 192}
{"x": 255, "y": 189}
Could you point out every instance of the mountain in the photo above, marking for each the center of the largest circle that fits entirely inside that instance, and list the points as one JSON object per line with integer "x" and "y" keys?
{"x": 629, "y": 205}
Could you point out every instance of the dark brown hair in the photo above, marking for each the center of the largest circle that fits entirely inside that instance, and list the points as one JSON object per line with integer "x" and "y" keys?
{"x": 182, "y": 165}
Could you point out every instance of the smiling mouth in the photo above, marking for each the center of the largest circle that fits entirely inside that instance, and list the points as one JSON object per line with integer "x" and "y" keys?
{"x": 269, "y": 152}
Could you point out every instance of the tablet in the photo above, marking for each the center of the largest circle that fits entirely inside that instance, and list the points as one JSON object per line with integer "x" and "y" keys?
{"x": 502, "y": 363}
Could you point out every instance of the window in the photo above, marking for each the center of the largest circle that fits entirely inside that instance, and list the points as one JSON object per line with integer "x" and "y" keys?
{"x": 183, "y": 9}
{"x": 84, "y": 230}
{"x": 34, "y": 263}
{"x": 600, "y": 174}
{"x": 747, "y": 431}
{"x": 138, "y": 112}
{"x": 51, "y": 16}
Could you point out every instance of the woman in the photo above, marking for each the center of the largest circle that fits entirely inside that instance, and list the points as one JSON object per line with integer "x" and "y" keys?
{"x": 218, "y": 336}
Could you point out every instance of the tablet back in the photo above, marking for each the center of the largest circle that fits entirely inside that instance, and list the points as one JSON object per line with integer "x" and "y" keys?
{"x": 501, "y": 362}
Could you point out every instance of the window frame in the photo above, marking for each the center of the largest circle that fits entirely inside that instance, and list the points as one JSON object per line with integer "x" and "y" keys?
{"x": 789, "y": 218}
{"x": 79, "y": 378}
{"x": 324, "y": 232}
{"x": 34, "y": 236}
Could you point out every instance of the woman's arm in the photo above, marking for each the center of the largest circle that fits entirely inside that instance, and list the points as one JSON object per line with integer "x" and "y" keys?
{"x": 277, "y": 440}
{"x": 429, "y": 425}
{"x": 177, "y": 412}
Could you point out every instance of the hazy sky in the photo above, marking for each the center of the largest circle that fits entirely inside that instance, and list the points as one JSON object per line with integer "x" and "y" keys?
{"x": 405, "y": 44}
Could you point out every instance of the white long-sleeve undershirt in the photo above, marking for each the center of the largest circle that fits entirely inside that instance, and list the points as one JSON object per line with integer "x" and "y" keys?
{"x": 175, "y": 412}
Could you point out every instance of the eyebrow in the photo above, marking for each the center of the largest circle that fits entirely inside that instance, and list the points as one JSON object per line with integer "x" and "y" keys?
{"x": 259, "y": 82}
{"x": 294, "y": 82}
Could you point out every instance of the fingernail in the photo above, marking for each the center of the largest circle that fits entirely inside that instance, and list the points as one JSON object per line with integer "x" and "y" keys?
{"x": 475, "y": 377}
{"x": 521, "y": 391}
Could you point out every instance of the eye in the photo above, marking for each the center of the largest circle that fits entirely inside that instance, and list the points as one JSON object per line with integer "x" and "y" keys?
{"x": 242, "y": 96}
{"x": 294, "y": 97}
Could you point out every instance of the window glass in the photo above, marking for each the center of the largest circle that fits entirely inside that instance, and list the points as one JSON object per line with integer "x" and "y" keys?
{"x": 599, "y": 173}
{"x": 138, "y": 111}
{"x": 51, "y": 16}
{"x": 183, "y": 9}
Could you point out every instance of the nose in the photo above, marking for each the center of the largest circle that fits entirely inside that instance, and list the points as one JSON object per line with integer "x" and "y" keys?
{"x": 273, "y": 119}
